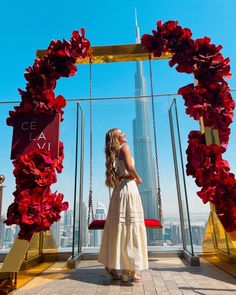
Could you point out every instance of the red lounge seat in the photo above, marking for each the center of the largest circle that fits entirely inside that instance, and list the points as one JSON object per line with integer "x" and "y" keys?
{"x": 100, "y": 223}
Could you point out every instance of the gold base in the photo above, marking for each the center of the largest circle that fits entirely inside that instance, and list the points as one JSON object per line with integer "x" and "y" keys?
{"x": 24, "y": 276}
{"x": 218, "y": 248}
{"x": 227, "y": 267}
{"x": 26, "y": 259}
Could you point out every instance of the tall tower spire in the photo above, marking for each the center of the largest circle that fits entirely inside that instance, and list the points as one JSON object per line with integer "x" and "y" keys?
{"x": 142, "y": 142}
{"x": 137, "y": 27}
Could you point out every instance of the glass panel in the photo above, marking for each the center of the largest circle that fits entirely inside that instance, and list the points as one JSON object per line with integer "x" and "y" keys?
{"x": 121, "y": 113}
{"x": 77, "y": 234}
{"x": 180, "y": 179}
{"x": 34, "y": 248}
{"x": 230, "y": 157}
{"x": 7, "y": 233}
{"x": 219, "y": 231}
{"x": 172, "y": 236}
{"x": 118, "y": 81}
{"x": 61, "y": 234}
{"x": 51, "y": 238}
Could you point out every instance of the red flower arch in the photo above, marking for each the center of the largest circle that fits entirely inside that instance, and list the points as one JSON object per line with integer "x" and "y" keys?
{"x": 35, "y": 207}
{"x": 210, "y": 99}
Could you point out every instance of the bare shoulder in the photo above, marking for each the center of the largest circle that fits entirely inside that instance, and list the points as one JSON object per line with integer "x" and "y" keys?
{"x": 125, "y": 148}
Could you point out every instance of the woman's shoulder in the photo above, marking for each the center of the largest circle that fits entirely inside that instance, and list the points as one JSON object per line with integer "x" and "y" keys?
{"x": 125, "y": 150}
{"x": 124, "y": 147}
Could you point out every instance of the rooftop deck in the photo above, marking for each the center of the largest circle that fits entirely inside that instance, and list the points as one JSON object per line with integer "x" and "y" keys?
{"x": 165, "y": 276}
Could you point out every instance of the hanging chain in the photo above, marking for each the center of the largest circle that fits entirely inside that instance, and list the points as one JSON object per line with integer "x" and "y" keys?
{"x": 159, "y": 203}
{"x": 90, "y": 197}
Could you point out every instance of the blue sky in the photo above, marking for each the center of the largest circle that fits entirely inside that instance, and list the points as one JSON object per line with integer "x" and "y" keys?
{"x": 29, "y": 25}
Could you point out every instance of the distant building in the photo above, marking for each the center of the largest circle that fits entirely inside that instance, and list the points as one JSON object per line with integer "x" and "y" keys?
{"x": 56, "y": 232}
{"x": 68, "y": 217}
{"x": 198, "y": 231}
{"x": 167, "y": 234}
{"x": 66, "y": 238}
{"x": 84, "y": 236}
{"x": 143, "y": 149}
{"x": 175, "y": 234}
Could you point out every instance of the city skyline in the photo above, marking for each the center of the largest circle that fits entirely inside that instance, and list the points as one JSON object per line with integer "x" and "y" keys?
{"x": 63, "y": 234}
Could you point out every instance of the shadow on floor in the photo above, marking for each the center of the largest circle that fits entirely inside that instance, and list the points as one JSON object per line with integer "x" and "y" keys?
{"x": 91, "y": 275}
{"x": 205, "y": 269}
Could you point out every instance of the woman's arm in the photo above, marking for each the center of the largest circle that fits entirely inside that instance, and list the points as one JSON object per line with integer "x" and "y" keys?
{"x": 125, "y": 150}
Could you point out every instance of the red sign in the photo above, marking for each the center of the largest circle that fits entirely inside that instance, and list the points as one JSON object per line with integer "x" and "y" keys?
{"x": 35, "y": 131}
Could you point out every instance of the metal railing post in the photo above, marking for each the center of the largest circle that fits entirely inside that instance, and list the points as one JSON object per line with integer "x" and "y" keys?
{"x": 81, "y": 182}
{"x": 177, "y": 179}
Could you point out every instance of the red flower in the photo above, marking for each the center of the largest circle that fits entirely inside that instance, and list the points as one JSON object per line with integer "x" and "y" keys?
{"x": 33, "y": 168}
{"x": 42, "y": 76}
{"x": 207, "y": 194}
{"x": 214, "y": 103}
{"x": 58, "y": 162}
{"x": 80, "y": 45}
{"x": 35, "y": 208}
{"x": 210, "y": 64}
{"x": 209, "y": 99}
{"x": 13, "y": 215}
{"x": 154, "y": 44}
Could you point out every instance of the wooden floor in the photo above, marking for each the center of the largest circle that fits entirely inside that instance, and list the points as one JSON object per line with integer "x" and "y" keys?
{"x": 165, "y": 276}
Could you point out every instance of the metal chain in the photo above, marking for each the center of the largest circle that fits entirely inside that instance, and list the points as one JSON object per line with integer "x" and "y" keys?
{"x": 90, "y": 197}
{"x": 159, "y": 203}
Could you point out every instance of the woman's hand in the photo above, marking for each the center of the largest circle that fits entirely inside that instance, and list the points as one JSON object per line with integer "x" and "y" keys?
{"x": 138, "y": 180}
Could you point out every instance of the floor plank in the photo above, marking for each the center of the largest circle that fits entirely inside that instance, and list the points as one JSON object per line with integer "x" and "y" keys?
{"x": 165, "y": 276}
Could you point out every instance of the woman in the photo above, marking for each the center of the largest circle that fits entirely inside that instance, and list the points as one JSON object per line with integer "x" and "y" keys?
{"x": 124, "y": 241}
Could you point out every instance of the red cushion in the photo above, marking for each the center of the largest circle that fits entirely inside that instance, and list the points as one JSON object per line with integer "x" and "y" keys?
{"x": 100, "y": 223}
{"x": 153, "y": 223}
{"x": 97, "y": 224}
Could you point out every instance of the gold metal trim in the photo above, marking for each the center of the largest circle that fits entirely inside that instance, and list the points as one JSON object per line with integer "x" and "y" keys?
{"x": 116, "y": 53}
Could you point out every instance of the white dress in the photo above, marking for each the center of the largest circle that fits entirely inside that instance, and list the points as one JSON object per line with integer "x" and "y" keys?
{"x": 124, "y": 241}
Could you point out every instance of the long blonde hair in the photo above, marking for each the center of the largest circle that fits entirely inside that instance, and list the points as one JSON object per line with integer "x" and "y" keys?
{"x": 112, "y": 145}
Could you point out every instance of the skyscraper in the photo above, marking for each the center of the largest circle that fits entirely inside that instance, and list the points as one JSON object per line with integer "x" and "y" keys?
{"x": 84, "y": 236}
{"x": 143, "y": 146}
{"x": 67, "y": 234}
{"x": 56, "y": 232}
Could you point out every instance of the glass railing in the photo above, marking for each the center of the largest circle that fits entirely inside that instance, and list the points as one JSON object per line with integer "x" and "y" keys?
{"x": 66, "y": 233}
{"x": 121, "y": 114}
{"x": 184, "y": 215}
{"x": 71, "y": 234}
{"x": 180, "y": 179}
